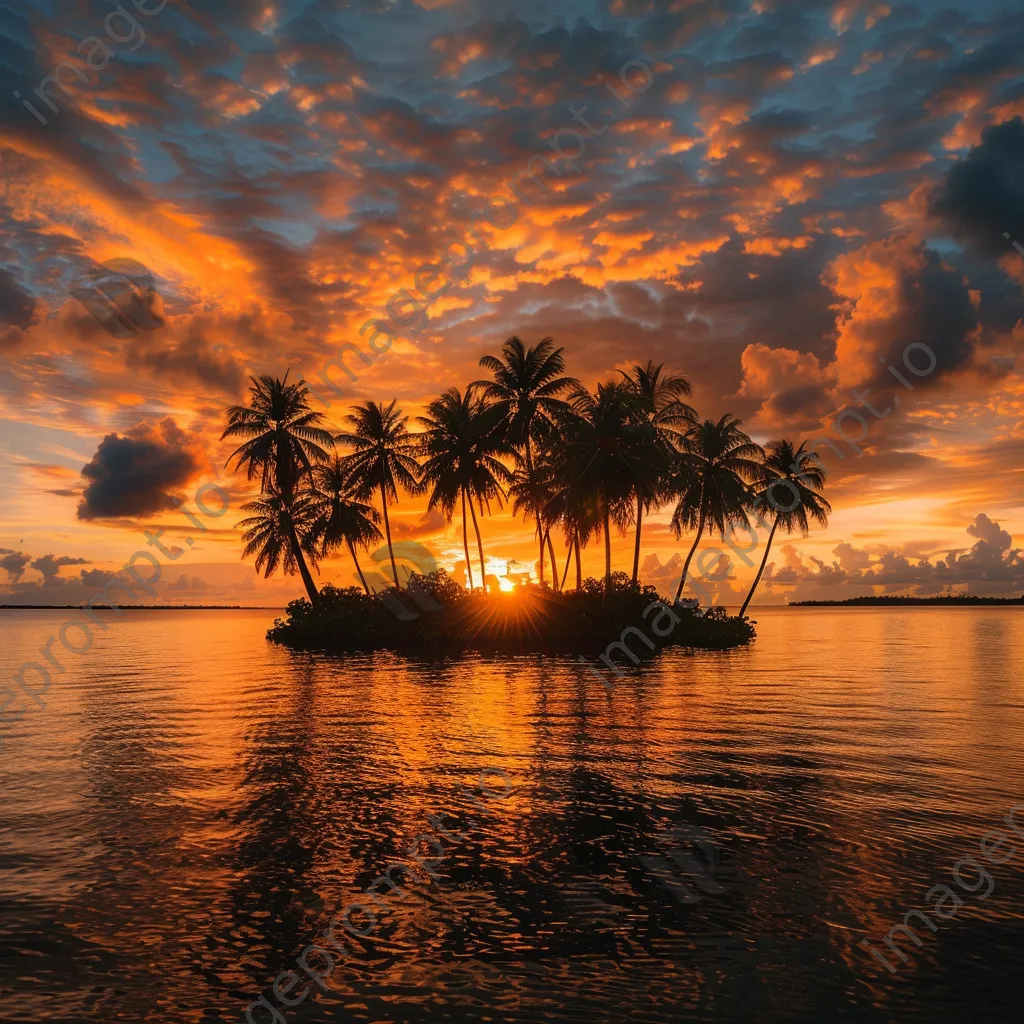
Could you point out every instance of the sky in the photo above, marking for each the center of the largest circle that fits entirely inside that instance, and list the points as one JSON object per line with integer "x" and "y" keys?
{"x": 814, "y": 209}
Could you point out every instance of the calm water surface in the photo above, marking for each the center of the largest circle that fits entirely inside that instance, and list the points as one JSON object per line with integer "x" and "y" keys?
{"x": 707, "y": 841}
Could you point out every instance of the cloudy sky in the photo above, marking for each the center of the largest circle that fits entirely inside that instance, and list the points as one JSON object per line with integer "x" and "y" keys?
{"x": 783, "y": 199}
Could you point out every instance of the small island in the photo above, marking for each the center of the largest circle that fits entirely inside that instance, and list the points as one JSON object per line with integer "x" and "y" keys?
{"x": 573, "y": 463}
{"x": 623, "y": 623}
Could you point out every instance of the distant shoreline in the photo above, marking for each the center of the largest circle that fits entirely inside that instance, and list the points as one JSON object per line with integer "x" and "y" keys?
{"x": 897, "y": 601}
{"x": 149, "y": 607}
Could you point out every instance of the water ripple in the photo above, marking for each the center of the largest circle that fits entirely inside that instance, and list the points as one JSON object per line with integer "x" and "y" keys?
{"x": 710, "y": 840}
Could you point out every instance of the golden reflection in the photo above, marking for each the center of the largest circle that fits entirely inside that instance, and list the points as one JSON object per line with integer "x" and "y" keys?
{"x": 217, "y": 793}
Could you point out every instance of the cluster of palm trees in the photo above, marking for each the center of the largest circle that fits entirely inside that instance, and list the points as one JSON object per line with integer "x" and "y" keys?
{"x": 573, "y": 462}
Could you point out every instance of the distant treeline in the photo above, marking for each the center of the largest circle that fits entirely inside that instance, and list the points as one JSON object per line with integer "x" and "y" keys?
{"x": 154, "y": 607}
{"x": 906, "y": 600}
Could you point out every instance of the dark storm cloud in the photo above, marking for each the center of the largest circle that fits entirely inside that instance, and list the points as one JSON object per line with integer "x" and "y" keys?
{"x": 778, "y": 300}
{"x": 138, "y": 473}
{"x": 982, "y": 196}
{"x": 902, "y": 307}
{"x": 937, "y": 311}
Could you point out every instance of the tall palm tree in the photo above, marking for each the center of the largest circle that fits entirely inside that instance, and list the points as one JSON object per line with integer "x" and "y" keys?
{"x": 525, "y": 389}
{"x": 576, "y": 511}
{"x": 526, "y": 384}
{"x": 463, "y": 441}
{"x": 284, "y": 435}
{"x": 661, "y": 406}
{"x": 278, "y": 530}
{"x": 532, "y": 495}
{"x": 383, "y": 458}
{"x": 717, "y": 463}
{"x": 607, "y": 453}
{"x": 284, "y": 440}
{"x": 791, "y": 495}
{"x": 340, "y": 519}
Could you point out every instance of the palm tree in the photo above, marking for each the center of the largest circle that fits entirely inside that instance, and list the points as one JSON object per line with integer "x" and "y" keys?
{"x": 278, "y": 530}
{"x": 792, "y": 495}
{"x": 463, "y": 441}
{"x": 660, "y": 397}
{"x": 525, "y": 388}
{"x": 340, "y": 519}
{"x": 607, "y": 452}
{"x": 383, "y": 459}
{"x": 531, "y": 494}
{"x": 284, "y": 442}
{"x": 577, "y": 512}
{"x": 527, "y": 381}
{"x": 285, "y": 438}
{"x": 717, "y": 463}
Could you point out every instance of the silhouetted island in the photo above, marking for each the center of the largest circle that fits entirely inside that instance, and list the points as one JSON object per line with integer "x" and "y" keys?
{"x": 954, "y": 600}
{"x": 618, "y": 619}
{"x": 567, "y": 459}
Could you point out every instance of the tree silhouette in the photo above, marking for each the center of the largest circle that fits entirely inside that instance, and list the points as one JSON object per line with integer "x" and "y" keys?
{"x": 382, "y": 460}
{"x": 711, "y": 481}
{"x": 284, "y": 440}
{"x": 339, "y": 518}
{"x": 791, "y": 495}
{"x": 463, "y": 442}
{"x": 660, "y": 405}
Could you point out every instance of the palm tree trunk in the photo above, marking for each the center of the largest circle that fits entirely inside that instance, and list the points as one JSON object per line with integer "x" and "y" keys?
{"x": 355, "y": 558}
{"x": 480, "y": 547}
{"x": 465, "y": 539}
{"x": 307, "y": 579}
{"x": 757, "y": 578}
{"x": 540, "y": 527}
{"x": 607, "y": 548}
{"x": 639, "y": 527}
{"x": 579, "y": 565}
{"x": 689, "y": 557}
{"x": 554, "y": 564}
{"x": 568, "y": 559}
{"x": 387, "y": 531}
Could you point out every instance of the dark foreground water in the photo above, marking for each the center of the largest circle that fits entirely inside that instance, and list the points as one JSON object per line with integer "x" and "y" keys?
{"x": 710, "y": 840}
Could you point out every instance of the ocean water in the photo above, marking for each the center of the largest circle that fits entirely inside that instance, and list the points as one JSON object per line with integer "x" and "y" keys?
{"x": 710, "y": 839}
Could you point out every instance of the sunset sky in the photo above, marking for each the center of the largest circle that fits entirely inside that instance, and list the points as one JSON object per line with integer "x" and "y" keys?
{"x": 793, "y": 193}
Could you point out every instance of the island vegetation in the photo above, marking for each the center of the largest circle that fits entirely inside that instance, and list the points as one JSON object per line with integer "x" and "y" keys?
{"x": 444, "y": 617}
{"x": 574, "y": 463}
